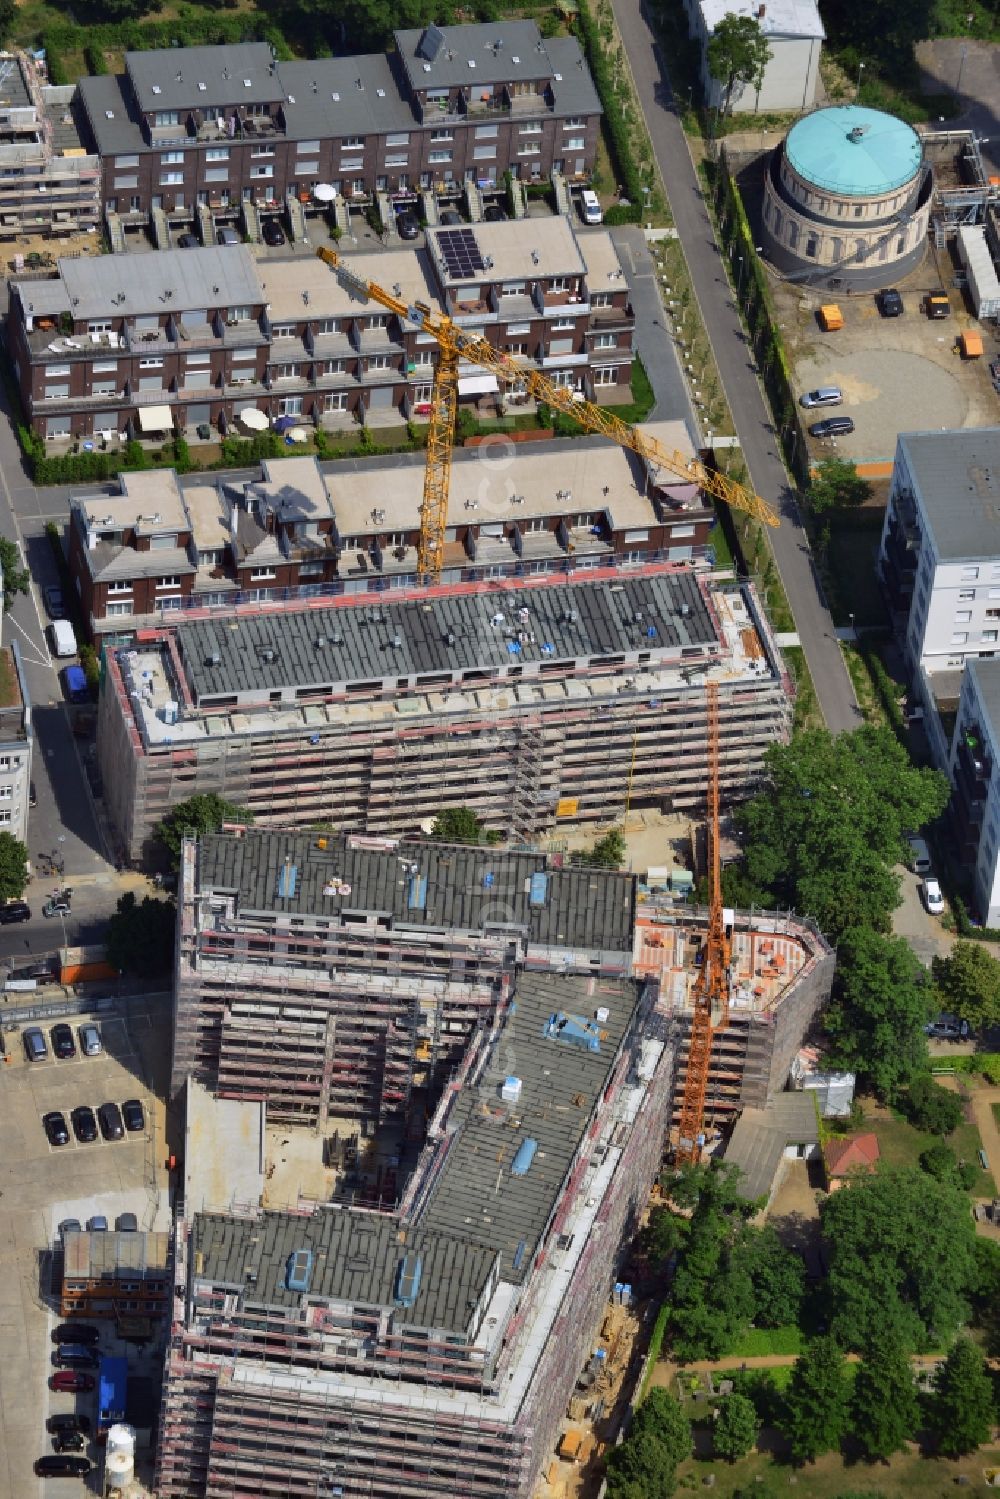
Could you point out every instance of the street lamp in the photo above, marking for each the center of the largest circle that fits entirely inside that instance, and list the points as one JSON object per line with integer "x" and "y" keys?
{"x": 857, "y": 88}
{"x": 961, "y": 65}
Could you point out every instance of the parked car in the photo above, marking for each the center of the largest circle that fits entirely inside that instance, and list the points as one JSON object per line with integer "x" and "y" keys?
{"x": 127, "y": 1223}
{"x": 407, "y": 224}
{"x": 75, "y": 1356}
{"x": 63, "y": 1045}
{"x": 109, "y": 1117}
{"x": 69, "y": 1441}
{"x": 68, "y": 1421}
{"x": 56, "y": 907}
{"x": 55, "y": 1129}
{"x": 55, "y": 604}
{"x": 75, "y": 684}
{"x": 833, "y": 426}
{"x": 69, "y": 1226}
{"x": 98, "y": 1224}
{"x": 890, "y": 303}
{"x": 35, "y": 1048}
{"x": 32, "y": 795}
{"x": 590, "y": 207}
{"x": 84, "y": 1124}
{"x": 133, "y": 1115}
{"x": 90, "y": 1040}
{"x": 14, "y": 910}
{"x": 76, "y": 1332}
{"x": 188, "y": 242}
{"x": 494, "y": 214}
{"x": 920, "y": 855}
{"x": 226, "y": 236}
{"x": 72, "y": 1380}
{"x": 448, "y": 217}
{"x": 933, "y": 899}
{"x": 61, "y": 1465}
{"x": 826, "y": 395}
{"x": 272, "y": 233}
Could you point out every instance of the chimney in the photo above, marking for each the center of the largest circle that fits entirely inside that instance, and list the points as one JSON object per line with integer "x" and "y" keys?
{"x": 760, "y": 12}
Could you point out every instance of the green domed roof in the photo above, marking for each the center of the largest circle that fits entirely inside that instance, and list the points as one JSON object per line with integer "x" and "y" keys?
{"x": 853, "y": 151}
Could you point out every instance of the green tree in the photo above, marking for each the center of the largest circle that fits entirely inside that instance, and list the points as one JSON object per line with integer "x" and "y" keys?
{"x": 658, "y": 1439}
{"x": 824, "y": 837}
{"x": 901, "y": 1255}
{"x": 738, "y": 53}
{"x": 461, "y": 825}
{"x": 735, "y": 1429}
{"x": 8, "y": 11}
{"x": 884, "y": 1407}
{"x": 664, "y": 1418}
{"x": 837, "y": 485}
{"x": 932, "y": 1108}
{"x": 607, "y": 853}
{"x": 963, "y": 1409}
{"x": 816, "y": 1401}
{"x": 194, "y": 818}
{"x": 140, "y": 936}
{"x": 661, "y": 1237}
{"x": 941, "y": 1162}
{"x": 776, "y": 1274}
{"x": 881, "y": 31}
{"x": 880, "y": 1005}
{"x": 15, "y": 577}
{"x": 968, "y": 981}
{"x": 985, "y": 1293}
{"x": 13, "y": 867}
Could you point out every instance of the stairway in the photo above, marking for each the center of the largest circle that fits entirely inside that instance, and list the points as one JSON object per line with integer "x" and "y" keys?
{"x": 473, "y": 202}
{"x": 251, "y": 221}
{"x": 206, "y": 224}
{"x": 563, "y": 204}
{"x": 116, "y": 233}
{"x": 161, "y": 229}
{"x": 296, "y": 218}
{"x": 518, "y": 200}
{"x": 429, "y": 203}
{"x": 387, "y": 217}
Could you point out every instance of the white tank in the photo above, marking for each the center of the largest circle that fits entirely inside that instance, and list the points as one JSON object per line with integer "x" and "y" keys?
{"x": 121, "y": 1438}
{"x": 119, "y": 1469}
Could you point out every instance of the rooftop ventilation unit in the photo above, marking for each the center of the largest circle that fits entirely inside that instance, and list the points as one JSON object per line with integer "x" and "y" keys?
{"x": 298, "y": 1273}
{"x": 572, "y": 1030}
{"x": 408, "y": 1279}
{"x": 214, "y": 659}
{"x": 521, "y": 1164}
{"x": 288, "y": 880}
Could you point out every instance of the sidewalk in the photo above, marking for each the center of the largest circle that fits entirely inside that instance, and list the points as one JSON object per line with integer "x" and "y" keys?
{"x": 746, "y": 402}
{"x": 656, "y": 350}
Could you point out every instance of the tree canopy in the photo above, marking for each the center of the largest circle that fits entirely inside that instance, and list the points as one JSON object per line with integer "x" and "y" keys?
{"x": 881, "y": 1002}
{"x": 902, "y": 1258}
{"x": 968, "y": 981}
{"x": 13, "y": 867}
{"x": 836, "y": 485}
{"x": 816, "y": 1401}
{"x": 195, "y": 817}
{"x": 824, "y": 837}
{"x": 15, "y": 577}
{"x": 735, "y": 1429}
{"x": 880, "y": 31}
{"x": 932, "y": 1108}
{"x": 963, "y": 1409}
{"x": 738, "y": 53}
{"x": 607, "y": 853}
{"x": 884, "y": 1407}
{"x": 659, "y": 1438}
{"x": 461, "y": 825}
{"x": 140, "y": 936}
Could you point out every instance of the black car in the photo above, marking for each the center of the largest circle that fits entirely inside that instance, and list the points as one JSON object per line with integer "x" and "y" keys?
{"x": 75, "y": 1356}
{"x": 833, "y": 426}
{"x": 109, "y": 1117}
{"x": 84, "y": 1124}
{"x": 63, "y": 1044}
{"x": 62, "y": 1466}
{"x": 126, "y": 1223}
{"x": 55, "y": 604}
{"x": 67, "y": 1421}
{"x": 69, "y": 1441}
{"x": 272, "y": 233}
{"x": 14, "y": 910}
{"x": 450, "y": 216}
{"x": 188, "y": 242}
{"x": 407, "y": 224}
{"x": 133, "y": 1115}
{"x": 494, "y": 214}
{"x": 55, "y": 1129}
{"x": 76, "y": 1332}
{"x": 32, "y": 795}
{"x": 890, "y": 303}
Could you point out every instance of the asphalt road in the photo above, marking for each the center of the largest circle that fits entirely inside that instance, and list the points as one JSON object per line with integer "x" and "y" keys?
{"x": 746, "y": 401}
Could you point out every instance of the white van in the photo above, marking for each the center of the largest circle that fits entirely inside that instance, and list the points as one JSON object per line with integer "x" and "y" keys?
{"x": 920, "y": 856}
{"x": 62, "y": 638}
{"x": 590, "y": 207}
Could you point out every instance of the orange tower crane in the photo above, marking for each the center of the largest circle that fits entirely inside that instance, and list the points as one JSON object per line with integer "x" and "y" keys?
{"x": 455, "y": 344}
{"x": 711, "y": 986}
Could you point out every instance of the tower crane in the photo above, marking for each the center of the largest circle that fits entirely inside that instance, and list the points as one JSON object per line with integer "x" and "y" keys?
{"x": 710, "y": 995}
{"x": 455, "y": 343}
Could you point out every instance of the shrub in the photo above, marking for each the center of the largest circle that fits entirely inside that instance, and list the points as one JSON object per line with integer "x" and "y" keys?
{"x": 53, "y": 62}
{"x": 95, "y": 60}
{"x": 932, "y": 1108}
{"x": 614, "y": 118}
{"x": 622, "y": 213}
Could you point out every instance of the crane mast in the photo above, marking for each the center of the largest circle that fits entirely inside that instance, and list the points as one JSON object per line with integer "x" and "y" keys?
{"x": 455, "y": 344}
{"x": 710, "y": 995}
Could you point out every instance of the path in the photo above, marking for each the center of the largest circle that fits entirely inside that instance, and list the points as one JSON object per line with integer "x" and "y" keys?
{"x": 746, "y": 401}
{"x": 983, "y": 1100}
{"x": 657, "y": 352}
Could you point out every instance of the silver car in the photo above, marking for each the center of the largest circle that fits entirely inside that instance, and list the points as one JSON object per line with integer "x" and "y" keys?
{"x": 827, "y": 395}
{"x": 90, "y": 1040}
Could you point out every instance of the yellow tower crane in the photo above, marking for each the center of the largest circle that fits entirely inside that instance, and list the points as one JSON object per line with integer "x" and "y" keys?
{"x": 455, "y": 343}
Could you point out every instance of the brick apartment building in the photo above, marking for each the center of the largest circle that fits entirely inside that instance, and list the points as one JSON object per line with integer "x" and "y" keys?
{"x": 165, "y": 548}
{"x": 126, "y": 346}
{"x": 220, "y": 127}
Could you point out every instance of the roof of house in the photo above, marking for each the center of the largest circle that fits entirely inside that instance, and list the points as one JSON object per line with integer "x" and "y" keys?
{"x": 490, "y": 52}
{"x": 981, "y": 683}
{"x": 956, "y": 476}
{"x": 518, "y": 250}
{"x": 778, "y": 18}
{"x": 331, "y": 96}
{"x": 179, "y": 77}
{"x": 761, "y": 1137}
{"x": 468, "y": 888}
{"x": 854, "y": 151}
{"x": 664, "y": 613}
{"x": 852, "y": 1153}
{"x": 93, "y": 1256}
{"x": 174, "y": 281}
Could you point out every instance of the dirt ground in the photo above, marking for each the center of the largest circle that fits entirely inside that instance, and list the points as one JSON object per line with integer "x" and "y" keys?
{"x": 651, "y": 839}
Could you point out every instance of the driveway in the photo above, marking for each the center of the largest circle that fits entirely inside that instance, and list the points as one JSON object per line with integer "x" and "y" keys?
{"x": 746, "y": 401}
{"x": 924, "y": 933}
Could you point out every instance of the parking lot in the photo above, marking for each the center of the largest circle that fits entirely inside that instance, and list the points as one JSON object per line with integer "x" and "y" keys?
{"x": 41, "y": 1185}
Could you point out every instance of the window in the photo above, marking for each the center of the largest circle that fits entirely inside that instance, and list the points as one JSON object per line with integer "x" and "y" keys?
{"x": 531, "y": 149}
{"x": 261, "y": 152}
{"x": 604, "y": 341}
{"x": 238, "y": 315}
{"x": 968, "y": 593}
{"x": 151, "y": 364}
{"x": 563, "y": 325}
{"x": 575, "y": 143}
{"x": 395, "y": 161}
{"x": 969, "y": 574}
{"x": 512, "y": 289}
{"x": 283, "y": 330}
{"x": 517, "y": 349}
{"x": 441, "y": 135}
{"x": 193, "y": 359}
{"x": 400, "y": 138}
{"x": 559, "y": 283}
{"x": 61, "y": 371}
{"x": 166, "y": 117}
{"x": 352, "y": 143}
{"x": 305, "y": 147}
{"x": 244, "y": 356}
{"x": 101, "y": 325}
{"x": 99, "y": 367}
{"x": 124, "y": 182}
{"x": 607, "y": 375}
{"x": 354, "y": 166}
{"x": 515, "y": 328}
{"x": 287, "y": 371}
{"x": 600, "y": 299}
{"x": 989, "y": 637}
{"x": 171, "y": 158}
{"x": 533, "y": 128}
{"x": 812, "y": 245}
{"x": 126, "y": 161}
{"x": 171, "y": 179}
{"x": 336, "y": 401}
{"x": 172, "y": 582}
{"x": 328, "y": 325}
{"x": 959, "y": 638}
{"x": 963, "y": 616}
{"x": 258, "y": 574}
{"x": 216, "y": 174}
{"x": 439, "y": 156}
{"x": 57, "y": 392}
{"x": 333, "y": 367}
{"x": 575, "y": 123}
{"x": 484, "y": 153}
{"x": 259, "y": 172}
{"x": 197, "y": 379}
{"x": 291, "y": 405}
{"x": 120, "y": 585}
{"x": 117, "y": 611}
{"x": 104, "y": 388}
{"x": 378, "y": 362}
{"x": 217, "y": 153}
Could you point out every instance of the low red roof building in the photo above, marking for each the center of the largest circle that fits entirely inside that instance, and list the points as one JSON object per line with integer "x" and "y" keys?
{"x": 846, "y": 1156}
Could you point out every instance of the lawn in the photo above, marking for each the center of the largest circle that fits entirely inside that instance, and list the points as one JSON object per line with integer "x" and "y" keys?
{"x": 851, "y": 557}
{"x": 760, "y": 1342}
{"x": 902, "y": 1145}
{"x": 903, "y": 1477}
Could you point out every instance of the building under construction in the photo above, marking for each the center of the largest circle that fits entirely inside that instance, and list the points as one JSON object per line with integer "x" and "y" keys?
{"x": 552, "y": 700}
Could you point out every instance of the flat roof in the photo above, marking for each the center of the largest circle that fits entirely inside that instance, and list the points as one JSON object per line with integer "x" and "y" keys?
{"x": 306, "y": 288}
{"x": 515, "y": 250}
{"x": 223, "y": 1149}
{"x": 150, "y": 501}
{"x": 479, "y": 1193}
{"x": 92, "y": 1256}
{"x": 444, "y": 634}
{"x": 454, "y": 885}
{"x": 13, "y": 84}
{"x": 175, "y": 281}
{"x": 489, "y": 52}
{"x": 209, "y": 515}
{"x": 356, "y": 1257}
{"x": 761, "y": 1137}
{"x": 172, "y": 77}
{"x": 956, "y": 476}
{"x": 295, "y": 490}
{"x": 778, "y": 18}
{"x": 983, "y": 687}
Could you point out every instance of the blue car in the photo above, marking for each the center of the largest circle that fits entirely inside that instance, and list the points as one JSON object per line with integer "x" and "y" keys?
{"x": 75, "y": 682}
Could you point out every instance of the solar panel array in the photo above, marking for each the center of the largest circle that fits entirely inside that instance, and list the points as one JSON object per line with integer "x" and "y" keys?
{"x": 460, "y": 252}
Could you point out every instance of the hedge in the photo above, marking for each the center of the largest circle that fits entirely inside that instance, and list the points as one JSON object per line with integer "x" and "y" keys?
{"x": 614, "y": 119}
{"x": 193, "y": 29}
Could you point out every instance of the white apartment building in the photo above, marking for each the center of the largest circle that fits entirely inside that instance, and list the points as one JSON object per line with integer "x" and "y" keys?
{"x": 974, "y": 768}
{"x": 795, "y": 36}
{"x": 939, "y": 557}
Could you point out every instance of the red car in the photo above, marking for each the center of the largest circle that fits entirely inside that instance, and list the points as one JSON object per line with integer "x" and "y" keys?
{"x": 71, "y": 1379}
